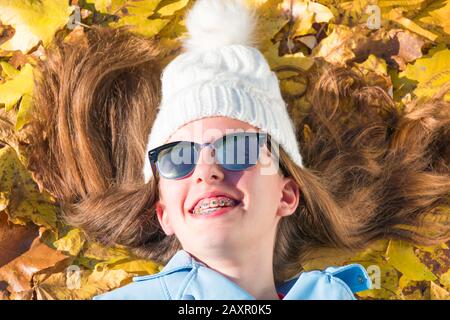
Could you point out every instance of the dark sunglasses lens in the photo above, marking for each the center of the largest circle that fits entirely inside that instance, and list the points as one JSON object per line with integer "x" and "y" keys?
{"x": 177, "y": 161}
{"x": 238, "y": 151}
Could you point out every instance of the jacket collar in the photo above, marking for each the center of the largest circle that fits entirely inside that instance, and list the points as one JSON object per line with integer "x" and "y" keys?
{"x": 181, "y": 260}
{"x": 200, "y": 285}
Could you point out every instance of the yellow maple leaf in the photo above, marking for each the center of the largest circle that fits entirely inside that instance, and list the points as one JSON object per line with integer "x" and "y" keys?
{"x": 138, "y": 18}
{"x": 33, "y": 21}
{"x": 428, "y": 74}
{"x": 438, "y": 15}
{"x": 306, "y": 13}
{"x": 12, "y": 90}
{"x": 298, "y": 60}
{"x": 72, "y": 242}
{"x": 82, "y": 285}
{"x": 271, "y": 19}
{"x": 97, "y": 251}
{"x": 338, "y": 46}
{"x": 24, "y": 114}
{"x": 397, "y": 16}
{"x": 401, "y": 256}
{"x": 373, "y": 64}
{"x": 25, "y": 202}
{"x": 171, "y": 8}
{"x": 8, "y": 69}
{"x": 130, "y": 265}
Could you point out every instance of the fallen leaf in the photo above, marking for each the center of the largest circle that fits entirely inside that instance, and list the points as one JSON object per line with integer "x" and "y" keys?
{"x": 271, "y": 19}
{"x": 26, "y": 203}
{"x": 297, "y": 60}
{"x": 99, "y": 252}
{"x": 396, "y": 16}
{"x": 12, "y": 90}
{"x": 401, "y": 256}
{"x": 8, "y": 69}
{"x": 24, "y": 113}
{"x": 305, "y": 14}
{"x": 409, "y": 47}
{"x": 85, "y": 285}
{"x": 338, "y": 47}
{"x": 14, "y": 239}
{"x": 438, "y": 293}
{"x": 427, "y": 75}
{"x": 169, "y": 9}
{"x": 435, "y": 18}
{"x": 6, "y": 33}
{"x": 135, "y": 266}
{"x": 445, "y": 280}
{"x": 33, "y": 21}
{"x": 136, "y": 15}
{"x": 71, "y": 243}
{"x": 19, "y": 272}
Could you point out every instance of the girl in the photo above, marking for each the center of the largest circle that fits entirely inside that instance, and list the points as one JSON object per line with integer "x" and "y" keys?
{"x": 233, "y": 198}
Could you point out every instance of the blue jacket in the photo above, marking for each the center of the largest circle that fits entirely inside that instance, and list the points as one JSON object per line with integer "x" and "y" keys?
{"x": 185, "y": 278}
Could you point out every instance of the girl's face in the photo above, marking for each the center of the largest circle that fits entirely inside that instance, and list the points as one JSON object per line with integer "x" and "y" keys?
{"x": 265, "y": 196}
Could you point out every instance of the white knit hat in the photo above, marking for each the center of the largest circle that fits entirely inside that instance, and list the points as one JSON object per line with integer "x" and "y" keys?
{"x": 221, "y": 74}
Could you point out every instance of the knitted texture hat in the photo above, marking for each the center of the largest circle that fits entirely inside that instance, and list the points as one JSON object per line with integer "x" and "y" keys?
{"x": 220, "y": 73}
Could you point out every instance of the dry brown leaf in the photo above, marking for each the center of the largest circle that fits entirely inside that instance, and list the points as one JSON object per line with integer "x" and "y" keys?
{"x": 18, "y": 273}
{"x": 14, "y": 239}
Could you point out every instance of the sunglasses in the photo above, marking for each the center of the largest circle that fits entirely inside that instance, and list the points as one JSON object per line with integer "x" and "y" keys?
{"x": 234, "y": 152}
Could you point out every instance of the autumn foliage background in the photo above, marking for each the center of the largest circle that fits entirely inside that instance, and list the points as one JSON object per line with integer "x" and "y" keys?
{"x": 407, "y": 55}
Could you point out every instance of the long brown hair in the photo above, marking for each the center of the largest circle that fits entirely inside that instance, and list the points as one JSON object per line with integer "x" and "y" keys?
{"x": 387, "y": 169}
{"x": 368, "y": 167}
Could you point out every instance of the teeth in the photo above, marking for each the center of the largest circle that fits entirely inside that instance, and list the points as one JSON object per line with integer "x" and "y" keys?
{"x": 206, "y": 211}
{"x": 208, "y": 206}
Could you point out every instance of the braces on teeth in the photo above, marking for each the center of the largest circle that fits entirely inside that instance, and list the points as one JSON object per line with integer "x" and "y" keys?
{"x": 207, "y": 207}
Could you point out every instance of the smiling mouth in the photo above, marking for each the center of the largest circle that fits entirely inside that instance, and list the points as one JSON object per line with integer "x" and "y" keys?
{"x": 212, "y": 212}
{"x": 214, "y": 206}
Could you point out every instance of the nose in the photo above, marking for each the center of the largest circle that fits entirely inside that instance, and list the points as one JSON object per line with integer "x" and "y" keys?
{"x": 207, "y": 169}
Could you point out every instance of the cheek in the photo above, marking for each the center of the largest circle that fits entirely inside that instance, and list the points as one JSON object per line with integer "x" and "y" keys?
{"x": 263, "y": 191}
{"x": 172, "y": 195}
{"x": 265, "y": 174}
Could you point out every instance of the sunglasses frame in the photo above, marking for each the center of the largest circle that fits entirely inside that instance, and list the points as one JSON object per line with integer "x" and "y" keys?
{"x": 154, "y": 153}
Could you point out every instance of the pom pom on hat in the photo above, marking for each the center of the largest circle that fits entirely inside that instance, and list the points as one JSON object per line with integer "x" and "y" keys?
{"x": 214, "y": 23}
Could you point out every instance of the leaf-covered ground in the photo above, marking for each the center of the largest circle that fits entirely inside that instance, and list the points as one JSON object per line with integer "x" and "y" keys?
{"x": 402, "y": 46}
